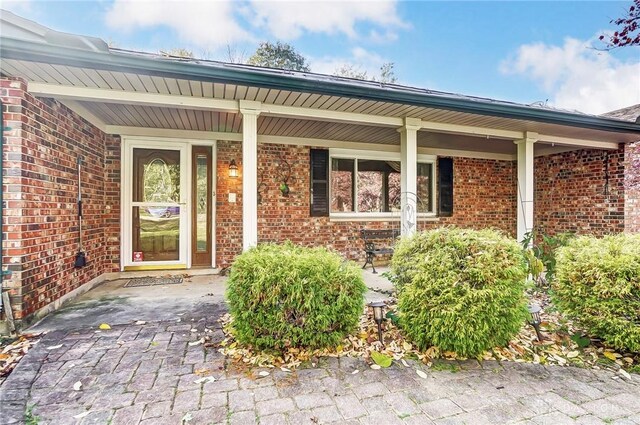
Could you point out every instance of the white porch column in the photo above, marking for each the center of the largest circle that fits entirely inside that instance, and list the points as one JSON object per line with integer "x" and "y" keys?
{"x": 409, "y": 175}
{"x": 525, "y": 184}
{"x": 250, "y": 111}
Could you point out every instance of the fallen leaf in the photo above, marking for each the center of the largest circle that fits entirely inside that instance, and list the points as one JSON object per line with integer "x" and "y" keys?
{"x": 82, "y": 415}
{"x": 380, "y": 359}
{"x": 421, "y": 374}
{"x": 284, "y": 369}
{"x": 572, "y": 354}
{"x": 625, "y": 374}
{"x": 375, "y": 366}
{"x": 263, "y": 373}
{"x": 198, "y": 342}
{"x": 77, "y": 386}
{"x": 404, "y": 363}
{"x": 104, "y": 327}
{"x": 610, "y": 355}
{"x": 355, "y": 372}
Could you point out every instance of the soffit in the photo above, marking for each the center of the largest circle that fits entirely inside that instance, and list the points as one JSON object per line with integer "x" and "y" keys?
{"x": 146, "y": 116}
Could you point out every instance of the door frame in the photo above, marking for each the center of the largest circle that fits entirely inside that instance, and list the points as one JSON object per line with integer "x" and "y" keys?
{"x": 128, "y": 143}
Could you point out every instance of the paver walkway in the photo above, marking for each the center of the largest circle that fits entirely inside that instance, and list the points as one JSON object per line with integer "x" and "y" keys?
{"x": 149, "y": 374}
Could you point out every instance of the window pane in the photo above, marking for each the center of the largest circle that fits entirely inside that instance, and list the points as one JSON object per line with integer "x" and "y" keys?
{"x": 202, "y": 183}
{"x": 342, "y": 185}
{"x": 425, "y": 188}
{"x": 156, "y": 175}
{"x": 378, "y": 186}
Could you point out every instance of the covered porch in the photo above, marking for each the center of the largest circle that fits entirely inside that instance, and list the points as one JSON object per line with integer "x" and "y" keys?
{"x": 205, "y": 120}
{"x": 188, "y": 162}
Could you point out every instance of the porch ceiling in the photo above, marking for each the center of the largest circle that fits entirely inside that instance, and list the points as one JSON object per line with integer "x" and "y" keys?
{"x": 112, "y": 112}
{"x": 224, "y": 122}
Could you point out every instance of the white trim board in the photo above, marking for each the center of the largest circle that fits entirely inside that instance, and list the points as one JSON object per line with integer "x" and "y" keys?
{"x": 73, "y": 93}
{"x": 128, "y": 143}
{"x": 194, "y": 135}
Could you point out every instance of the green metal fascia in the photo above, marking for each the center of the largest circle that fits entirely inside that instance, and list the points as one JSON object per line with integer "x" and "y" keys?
{"x": 37, "y": 52}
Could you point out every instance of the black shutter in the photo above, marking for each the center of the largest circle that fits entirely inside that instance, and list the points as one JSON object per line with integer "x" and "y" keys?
{"x": 445, "y": 187}
{"x": 319, "y": 183}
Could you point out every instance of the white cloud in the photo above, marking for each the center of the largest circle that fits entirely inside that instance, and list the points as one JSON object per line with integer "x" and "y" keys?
{"x": 360, "y": 59}
{"x": 207, "y": 24}
{"x": 214, "y": 24}
{"x": 576, "y": 76}
{"x": 18, "y": 6}
{"x": 288, "y": 20}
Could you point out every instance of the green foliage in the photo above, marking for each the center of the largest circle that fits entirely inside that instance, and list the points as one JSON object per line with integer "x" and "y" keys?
{"x": 387, "y": 73}
{"x": 598, "y": 285}
{"x": 179, "y": 52}
{"x": 380, "y": 359}
{"x": 540, "y": 253}
{"x": 29, "y": 417}
{"x": 580, "y": 340}
{"x": 279, "y": 55}
{"x": 460, "y": 290}
{"x": 285, "y": 295}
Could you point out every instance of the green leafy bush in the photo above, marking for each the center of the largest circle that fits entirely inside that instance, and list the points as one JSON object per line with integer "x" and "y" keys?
{"x": 460, "y": 290}
{"x": 540, "y": 253}
{"x": 289, "y": 296}
{"x": 598, "y": 284}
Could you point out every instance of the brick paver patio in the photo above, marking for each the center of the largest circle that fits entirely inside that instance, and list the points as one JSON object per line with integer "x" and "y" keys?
{"x": 149, "y": 374}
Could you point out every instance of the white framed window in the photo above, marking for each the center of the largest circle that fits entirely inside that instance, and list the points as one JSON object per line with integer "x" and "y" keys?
{"x": 368, "y": 184}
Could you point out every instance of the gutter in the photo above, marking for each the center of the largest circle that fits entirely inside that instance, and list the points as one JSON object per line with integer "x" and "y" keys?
{"x": 219, "y": 73}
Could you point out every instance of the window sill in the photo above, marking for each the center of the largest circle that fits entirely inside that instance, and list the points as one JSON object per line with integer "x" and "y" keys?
{"x": 377, "y": 217}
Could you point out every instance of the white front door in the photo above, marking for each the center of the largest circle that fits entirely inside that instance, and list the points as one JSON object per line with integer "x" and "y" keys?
{"x": 155, "y": 210}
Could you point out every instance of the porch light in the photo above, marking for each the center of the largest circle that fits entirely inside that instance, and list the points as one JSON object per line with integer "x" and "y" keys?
{"x": 535, "y": 320}
{"x": 378, "y": 316}
{"x": 233, "y": 169}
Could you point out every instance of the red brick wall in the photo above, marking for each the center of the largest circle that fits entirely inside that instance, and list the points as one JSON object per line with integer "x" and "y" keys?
{"x": 42, "y": 224}
{"x": 484, "y": 197}
{"x": 570, "y": 192}
{"x": 228, "y": 223}
{"x": 632, "y": 188}
{"x": 112, "y": 169}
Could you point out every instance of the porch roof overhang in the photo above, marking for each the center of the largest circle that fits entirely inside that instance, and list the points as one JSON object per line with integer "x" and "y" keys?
{"x": 133, "y": 93}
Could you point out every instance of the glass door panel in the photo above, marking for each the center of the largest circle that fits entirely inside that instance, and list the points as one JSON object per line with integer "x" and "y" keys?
{"x": 157, "y": 216}
{"x": 202, "y": 209}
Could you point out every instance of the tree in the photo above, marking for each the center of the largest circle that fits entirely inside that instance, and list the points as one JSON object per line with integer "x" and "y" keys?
{"x": 180, "y": 52}
{"x": 387, "y": 74}
{"x": 350, "y": 71}
{"x": 279, "y": 55}
{"x": 628, "y": 33}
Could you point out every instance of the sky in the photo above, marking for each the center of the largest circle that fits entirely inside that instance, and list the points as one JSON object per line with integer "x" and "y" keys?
{"x": 521, "y": 51}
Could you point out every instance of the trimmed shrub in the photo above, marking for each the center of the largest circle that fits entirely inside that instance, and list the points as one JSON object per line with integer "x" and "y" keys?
{"x": 460, "y": 290}
{"x": 598, "y": 285}
{"x": 290, "y": 296}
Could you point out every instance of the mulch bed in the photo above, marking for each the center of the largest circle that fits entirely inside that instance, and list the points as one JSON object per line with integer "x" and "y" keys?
{"x": 563, "y": 345}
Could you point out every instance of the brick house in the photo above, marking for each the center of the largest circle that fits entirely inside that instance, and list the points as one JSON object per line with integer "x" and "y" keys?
{"x": 185, "y": 163}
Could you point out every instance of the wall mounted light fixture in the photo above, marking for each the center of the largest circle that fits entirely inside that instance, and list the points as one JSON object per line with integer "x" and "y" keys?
{"x": 233, "y": 169}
